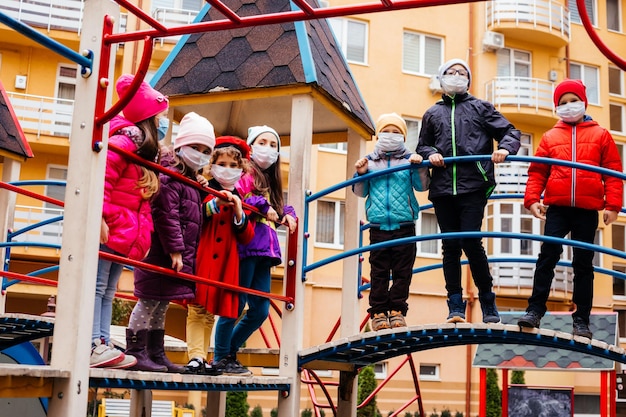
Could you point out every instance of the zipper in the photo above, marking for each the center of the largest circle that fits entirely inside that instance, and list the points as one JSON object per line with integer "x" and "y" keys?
{"x": 573, "y": 200}
{"x": 453, "y": 129}
{"x": 387, "y": 192}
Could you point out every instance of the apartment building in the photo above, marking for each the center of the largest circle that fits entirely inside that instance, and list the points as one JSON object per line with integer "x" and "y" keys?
{"x": 517, "y": 50}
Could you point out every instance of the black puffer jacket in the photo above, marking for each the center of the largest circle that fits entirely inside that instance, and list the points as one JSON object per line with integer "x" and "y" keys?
{"x": 459, "y": 126}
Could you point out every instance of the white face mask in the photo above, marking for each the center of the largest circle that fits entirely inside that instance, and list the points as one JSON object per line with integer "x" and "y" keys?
{"x": 194, "y": 159}
{"x": 227, "y": 177}
{"x": 571, "y": 112}
{"x": 389, "y": 142}
{"x": 264, "y": 156}
{"x": 454, "y": 84}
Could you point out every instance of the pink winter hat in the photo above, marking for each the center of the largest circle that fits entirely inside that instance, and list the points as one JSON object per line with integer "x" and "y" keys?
{"x": 146, "y": 102}
{"x": 195, "y": 129}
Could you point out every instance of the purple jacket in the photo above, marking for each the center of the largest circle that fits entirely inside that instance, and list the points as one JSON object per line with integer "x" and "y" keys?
{"x": 177, "y": 215}
{"x": 265, "y": 241}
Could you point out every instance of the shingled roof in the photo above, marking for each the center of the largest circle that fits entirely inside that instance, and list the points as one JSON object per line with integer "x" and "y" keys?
{"x": 268, "y": 57}
{"x": 13, "y": 142}
{"x": 496, "y": 355}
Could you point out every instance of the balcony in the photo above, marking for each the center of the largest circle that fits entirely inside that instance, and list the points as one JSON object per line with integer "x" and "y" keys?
{"x": 538, "y": 21}
{"x": 41, "y": 115}
{"x": 171, "y": 17}
{"x": 520, "y": 97}
{"x": 64, "y": 15}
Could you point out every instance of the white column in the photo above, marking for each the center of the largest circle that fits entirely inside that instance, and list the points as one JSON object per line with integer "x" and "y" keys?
{"x": 10, "y": 173}
{"x": 350, "y": 316}
{"x": 81, "y": 231}
{"x": 292, "y": 322}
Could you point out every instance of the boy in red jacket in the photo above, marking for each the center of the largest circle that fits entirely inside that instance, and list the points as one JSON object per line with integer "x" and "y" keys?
{"x": 572, "y": 199}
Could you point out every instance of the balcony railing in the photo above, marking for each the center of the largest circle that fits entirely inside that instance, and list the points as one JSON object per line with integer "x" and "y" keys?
{"x": 28, "y": 215}
{"x": 521, "y": 92}
{"x": 43, "y": 115}
{"x": 511, "y": 177}
{"x": 50, "y": 14}
{"x": 170, "y": 17}
{"x": 550, "y": 15}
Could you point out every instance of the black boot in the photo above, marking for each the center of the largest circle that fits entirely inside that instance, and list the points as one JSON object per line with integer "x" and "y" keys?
{"x": 136, "y": 346}
{"x": 156, "y": 351}
{"x": 488, "y": 306}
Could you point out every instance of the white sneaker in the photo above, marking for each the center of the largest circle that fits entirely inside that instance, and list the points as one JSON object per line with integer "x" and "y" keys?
{"x": 103, "y": 355}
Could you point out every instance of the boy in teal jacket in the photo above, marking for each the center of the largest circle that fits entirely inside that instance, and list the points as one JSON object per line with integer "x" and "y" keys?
{"x": 391, "y": 208}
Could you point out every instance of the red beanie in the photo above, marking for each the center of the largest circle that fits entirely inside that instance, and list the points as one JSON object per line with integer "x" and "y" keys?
{"x": 146, "y": 102}
{"x": 570, "y": 86}
{"x": 235, "y": 142}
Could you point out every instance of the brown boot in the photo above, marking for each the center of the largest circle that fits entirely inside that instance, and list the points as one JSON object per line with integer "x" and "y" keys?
{"x": 156, "y": 351}
{"x": 136, "y": 346}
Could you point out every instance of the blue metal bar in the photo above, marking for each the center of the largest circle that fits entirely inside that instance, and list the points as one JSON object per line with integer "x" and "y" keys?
{"x": 86, "y": 62}
{"x": 38, "y": 182}
{"x": 38, "y": 272}
{"x": 35, "y": 225}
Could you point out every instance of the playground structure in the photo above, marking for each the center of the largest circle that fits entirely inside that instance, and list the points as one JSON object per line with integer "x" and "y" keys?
{"x": 78, "y": 256}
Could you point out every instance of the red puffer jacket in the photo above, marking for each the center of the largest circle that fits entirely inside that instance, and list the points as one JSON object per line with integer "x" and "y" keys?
{"x": 586, "y": 143}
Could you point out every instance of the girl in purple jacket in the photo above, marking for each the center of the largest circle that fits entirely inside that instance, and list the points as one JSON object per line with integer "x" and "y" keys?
{"x": 177, "y": 215}
{"x": 262, "y": 188}
{"x": 126, "y": 219}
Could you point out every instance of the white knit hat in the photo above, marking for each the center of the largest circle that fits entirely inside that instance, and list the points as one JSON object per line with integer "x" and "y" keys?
{"x": 446, "y": 65}
{"x": 195, "y": 129}
{"x": 255, "y": 131}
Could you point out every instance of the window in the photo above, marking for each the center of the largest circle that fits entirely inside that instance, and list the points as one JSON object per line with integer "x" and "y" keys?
{"x": 613, "y": 14}
{"x": 421, "y": 54}
{"x": 619, "y": 237}
{"x": 621, "y": 149}
{"x": 590, "y": 6}
{"x": 329, "y": 223}
{"x": 352, "y": 38}
{"x": 619, "y": 285}
{"x": 341, "y": 147}
{"x": 429, "y": 372}
{"x": 616, "y": 121}
{"x": 427, "y": 225}
{"x": 380, "y": 370}
{"x": 590, "y": 77}
{"x": 413, "y": 127}
{"x": 194, "y": 5}
{"x": 65, "y": 93}
{"x": 56, "y": 173}
{"x": 513, "y": 63}
{"x": 526, "y": 148}
{"x": 616, "y": 81}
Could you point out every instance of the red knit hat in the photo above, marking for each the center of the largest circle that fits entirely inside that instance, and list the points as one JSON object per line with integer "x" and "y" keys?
{"x": 234, "y": 141}
{"x": 146, "y": 102}
{"x": 570, "y": 86}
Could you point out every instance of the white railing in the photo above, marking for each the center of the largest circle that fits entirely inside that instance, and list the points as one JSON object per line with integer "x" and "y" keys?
{"x": 511, "y": 177}
{"x": 29, "y": 215}
{"x": 170, "y": 17}
{"x": 43, "y": 115}
{"x": 49, "y": 14}
{"x": 521, "y": 92}
{"x": 548, "y": 15}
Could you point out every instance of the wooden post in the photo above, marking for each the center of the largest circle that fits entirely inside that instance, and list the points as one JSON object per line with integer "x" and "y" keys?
{"x": 292, "y": 323}
{"x": 215, "y": 404}
{"x": 81, "y": 232}
{"x": 10, "y": 173}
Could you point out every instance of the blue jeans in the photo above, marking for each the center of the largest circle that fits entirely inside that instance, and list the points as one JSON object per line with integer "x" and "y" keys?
{"x": 109, "y": 274}
{"x": 254, "y": 273}
{"x": 582, "y": 225}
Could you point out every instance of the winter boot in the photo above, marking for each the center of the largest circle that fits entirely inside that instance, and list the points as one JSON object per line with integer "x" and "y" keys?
{"x": 456, "y": 306}
{"x": 156, "y": 351}
{"x": 136, "y": 346}
{"x": 488, "y": 306}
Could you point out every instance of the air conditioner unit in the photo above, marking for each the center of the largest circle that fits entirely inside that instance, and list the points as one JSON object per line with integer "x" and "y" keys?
{"x": 434, "y": 85}
{"x": 492, "y": 41}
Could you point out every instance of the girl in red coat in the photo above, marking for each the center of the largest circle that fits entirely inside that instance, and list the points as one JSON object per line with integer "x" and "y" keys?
{"x": 225, "y": 225}
{"x": 572, "y": 199}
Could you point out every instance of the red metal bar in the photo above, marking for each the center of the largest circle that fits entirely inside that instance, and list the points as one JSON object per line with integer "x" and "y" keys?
{"x": 416, "y": 384}
{"x": 612, "y": 393}
{"x": 482, "y": 394}
{"x": 28, "y": 278}
{"x": 283, "y": 17}
{"x": 132, "y": 88}
{"x": 604, "y": 394}
{"x": 142, "y": 15}
{"x": 291, "y": 263}
{"x": 595, "y": 38}
{"x": 403, "y": 407}
{"x": 505, "y": 392}
{"x": 103, "y": 83}
{"x": 304, "y": 6}
{"x": 264, "y": 336}
{"x": 308, "y": 373}
{"x": 274, "y": 330}
{"x": 189, "y": 277}
{"x": 32, "y": 194}
{"x": 334, "y": 330}
{"x": 225, "y": 10}
{"x": 382, "y": 384}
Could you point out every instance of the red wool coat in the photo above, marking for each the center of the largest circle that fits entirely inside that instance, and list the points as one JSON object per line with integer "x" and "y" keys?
{"x": 218, "y": 260}
{"x": 586, "y": 143}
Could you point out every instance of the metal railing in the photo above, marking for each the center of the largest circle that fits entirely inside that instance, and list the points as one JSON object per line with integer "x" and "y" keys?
{"x": 26, "y": 216}
{"x": 49, "y": 14}
{"x": 551, "y": 16}
{"x": 43, "y": 115}
{"x": 173, "y": 17}
{"x": 521, "y": 92}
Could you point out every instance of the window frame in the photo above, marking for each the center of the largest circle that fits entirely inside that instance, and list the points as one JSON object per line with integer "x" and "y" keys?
{"x": 421, "y": 71}
{"x": 575, "y": 16}
{"x": 337, "y": 229}
{"x": 620, "y": 77}
{"x": 582, "y": 68}
{"x": 343, "y": 24}
{"x": 617, "y": 13}
{"x": 418, "y": 232}
{"x": 513, "y": 61}
{"x": 430, "y": 377}
{"x": 342, "y": 147}
{"x": 622, "y": 107}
